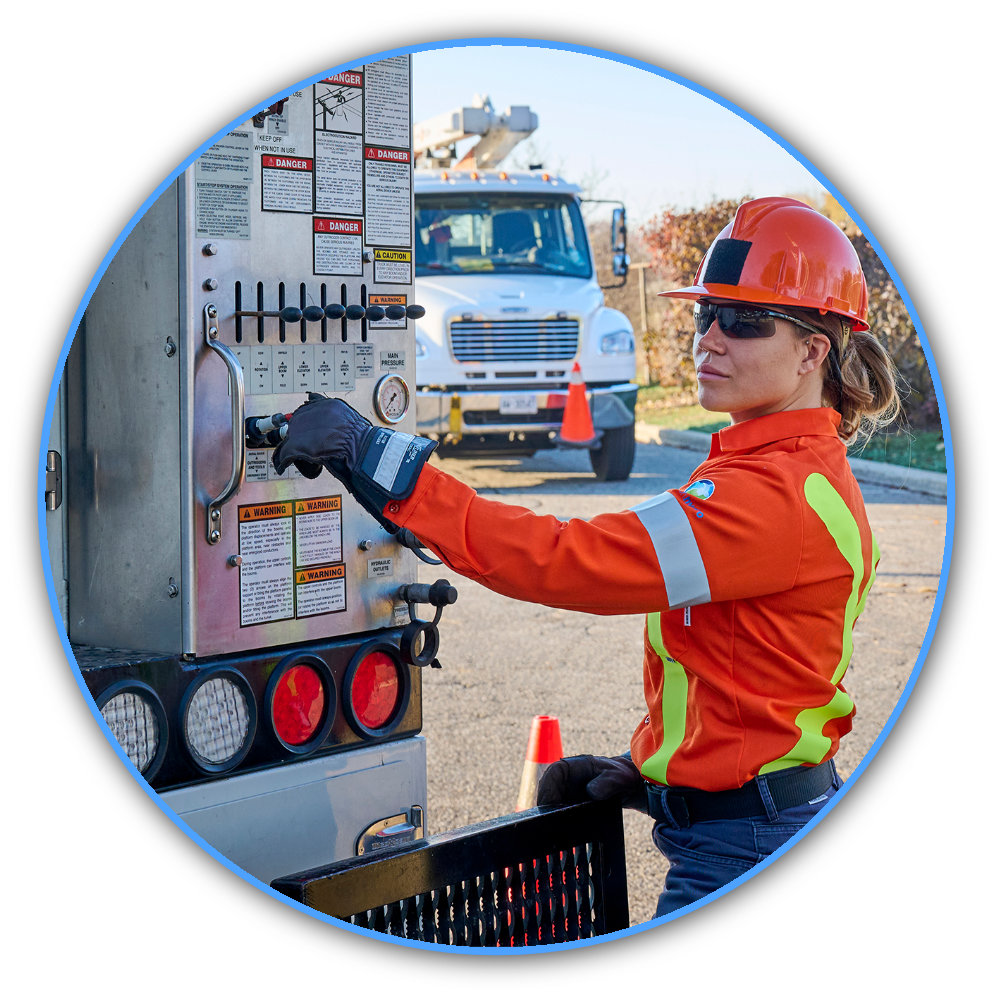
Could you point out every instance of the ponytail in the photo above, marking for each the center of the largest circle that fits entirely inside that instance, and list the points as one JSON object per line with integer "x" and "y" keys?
{"x": 860, "y": 378}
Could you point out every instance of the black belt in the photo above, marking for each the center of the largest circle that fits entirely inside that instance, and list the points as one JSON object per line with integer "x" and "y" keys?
{"x": 789, "y": 788}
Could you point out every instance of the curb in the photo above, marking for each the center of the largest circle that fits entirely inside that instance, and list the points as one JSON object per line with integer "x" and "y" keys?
{"x": 873, "y": 472}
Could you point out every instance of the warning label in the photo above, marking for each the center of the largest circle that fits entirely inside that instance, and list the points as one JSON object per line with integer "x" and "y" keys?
{"x": 287, "y": 550}
{"x": 265, "y": 538}
{"x": 320, "y": 590}
{"x": 392, "y": 266}
{"x": 384, "y": 300}
{"x": 318, "y": 530}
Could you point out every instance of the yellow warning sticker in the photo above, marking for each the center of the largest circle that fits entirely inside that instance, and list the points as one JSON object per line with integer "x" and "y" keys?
{"x": 271, "y": 510}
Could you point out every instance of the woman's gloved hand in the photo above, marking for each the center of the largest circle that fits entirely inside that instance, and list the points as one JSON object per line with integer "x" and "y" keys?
{"x": 376, "y": 465}
{"x": 591, "y": 777}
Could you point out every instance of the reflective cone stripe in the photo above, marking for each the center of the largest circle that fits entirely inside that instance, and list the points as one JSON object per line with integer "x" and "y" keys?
{"x": 576, "y": 424}
{"x": 542, "y": 751}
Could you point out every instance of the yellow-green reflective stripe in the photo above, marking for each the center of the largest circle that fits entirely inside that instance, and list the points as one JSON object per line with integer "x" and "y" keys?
{"x": 813, "y": 745}
{"x": 674, "y": 697}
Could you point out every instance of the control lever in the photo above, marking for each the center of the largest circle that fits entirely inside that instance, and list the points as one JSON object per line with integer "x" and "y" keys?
{"x": 420, "y": 640}
{"x": 266, "y": 430}
{"x": 408, "y": 539}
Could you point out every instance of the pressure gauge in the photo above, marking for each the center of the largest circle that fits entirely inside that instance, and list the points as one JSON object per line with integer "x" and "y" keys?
{"x": 391, "y": 398}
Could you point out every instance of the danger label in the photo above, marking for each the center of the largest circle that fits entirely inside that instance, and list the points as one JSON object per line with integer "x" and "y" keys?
{"x": 353, "y": 78}
{"x": 287, "y": 183}
{"x": 338, "y": 246}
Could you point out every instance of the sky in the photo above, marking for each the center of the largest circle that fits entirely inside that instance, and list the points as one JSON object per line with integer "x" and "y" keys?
{"x": 653, "y": 141}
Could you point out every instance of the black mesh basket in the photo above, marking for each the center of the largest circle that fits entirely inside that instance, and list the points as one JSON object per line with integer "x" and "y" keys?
{"x": 534, "y": 878}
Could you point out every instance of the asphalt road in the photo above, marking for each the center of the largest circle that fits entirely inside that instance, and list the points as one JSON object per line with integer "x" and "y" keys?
{"x": 505, "y": 662}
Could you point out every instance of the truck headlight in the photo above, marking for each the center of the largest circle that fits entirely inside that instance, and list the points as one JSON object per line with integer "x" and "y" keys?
{"x": 617, "y": 342}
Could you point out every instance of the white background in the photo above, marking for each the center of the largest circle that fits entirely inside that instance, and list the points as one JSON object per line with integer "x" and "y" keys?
{"x": 894, "y": 891}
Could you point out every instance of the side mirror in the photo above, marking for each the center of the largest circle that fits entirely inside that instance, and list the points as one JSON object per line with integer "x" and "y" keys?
{"x": 619, "y": 230}
{"x": 621, "y": 264}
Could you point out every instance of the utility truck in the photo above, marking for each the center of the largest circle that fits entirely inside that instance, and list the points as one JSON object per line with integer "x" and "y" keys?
{"x": 506, "y": 275}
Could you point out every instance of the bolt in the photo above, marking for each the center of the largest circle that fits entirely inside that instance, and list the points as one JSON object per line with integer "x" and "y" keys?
{"x": 170, "y": 348}
{"x": 365, "y": 544}
{"x": 215, "y": 515}
{"x": 209, "y": 249}
{"x": 235, "y": 560}
{"x": 214, "y": 536}
{"x": 210, "y": 284}
{"x": 173, "y": 590}
{"x": 212, "y": 311}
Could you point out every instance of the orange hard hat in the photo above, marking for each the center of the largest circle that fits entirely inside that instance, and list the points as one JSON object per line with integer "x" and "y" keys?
{"x": 781, "y": 252}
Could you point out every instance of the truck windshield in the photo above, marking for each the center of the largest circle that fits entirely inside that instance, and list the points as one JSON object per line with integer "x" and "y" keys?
{"x": 504, "y": 233}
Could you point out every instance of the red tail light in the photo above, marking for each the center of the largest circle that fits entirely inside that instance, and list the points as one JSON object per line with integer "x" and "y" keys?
{"x": 376, "y": 690}
{"x": 301, "y": 700}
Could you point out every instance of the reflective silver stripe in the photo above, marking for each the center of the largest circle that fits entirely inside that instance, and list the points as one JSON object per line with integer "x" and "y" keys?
{"x": 678, "y": 554}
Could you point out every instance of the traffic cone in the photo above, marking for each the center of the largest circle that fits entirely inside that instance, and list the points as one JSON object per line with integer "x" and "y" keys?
{"x": 543, "y": 750}
{"x": 576, "y": 424}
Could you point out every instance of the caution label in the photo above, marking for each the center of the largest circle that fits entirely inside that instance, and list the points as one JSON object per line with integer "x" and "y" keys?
{"x": 392, "y": 266}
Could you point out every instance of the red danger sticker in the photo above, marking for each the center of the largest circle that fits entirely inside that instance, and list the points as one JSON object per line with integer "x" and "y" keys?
{"x": 388, "y": 155}
{"x": 286, "y": 163}
{"x": 351, "y": 79}
{"x": 341, "y": 226}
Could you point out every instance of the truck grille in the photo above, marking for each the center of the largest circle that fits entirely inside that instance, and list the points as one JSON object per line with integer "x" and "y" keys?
{"x": 491, "y": 342}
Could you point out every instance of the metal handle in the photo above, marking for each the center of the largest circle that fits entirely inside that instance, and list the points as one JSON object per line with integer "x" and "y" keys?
{"x": 237, "y": 392}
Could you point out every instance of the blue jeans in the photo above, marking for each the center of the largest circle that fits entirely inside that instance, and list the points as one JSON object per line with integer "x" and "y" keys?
{"x": 709, "y": 854}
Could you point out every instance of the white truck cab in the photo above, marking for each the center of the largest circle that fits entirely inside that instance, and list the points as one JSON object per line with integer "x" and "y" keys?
{"x": 505, "y": 272}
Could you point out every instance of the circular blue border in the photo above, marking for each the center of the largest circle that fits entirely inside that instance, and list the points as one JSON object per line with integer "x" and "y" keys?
{"x": 636, "y": 64}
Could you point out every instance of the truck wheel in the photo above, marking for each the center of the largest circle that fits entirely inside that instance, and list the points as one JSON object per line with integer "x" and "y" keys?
{"x": 614, "y": 459}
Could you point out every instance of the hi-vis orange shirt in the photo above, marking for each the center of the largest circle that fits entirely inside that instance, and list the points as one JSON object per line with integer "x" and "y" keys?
{"x": 751, "y": 576}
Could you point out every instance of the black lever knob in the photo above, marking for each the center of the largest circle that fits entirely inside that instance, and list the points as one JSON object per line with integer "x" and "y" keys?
{"x": 335, "y": 311}
{"x": 415, "y": 311}
{"x": 289, "y": 314}
{"x": 375, "y": 313}
{"x": 355, "y": 312}
{"x": 395, "y": 312}
{"x": 313, "y": 313}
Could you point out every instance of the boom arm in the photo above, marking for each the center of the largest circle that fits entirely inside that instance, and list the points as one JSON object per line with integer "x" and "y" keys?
{"x": 499, "y": 135}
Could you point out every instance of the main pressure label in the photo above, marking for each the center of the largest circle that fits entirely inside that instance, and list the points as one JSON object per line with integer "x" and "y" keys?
{"x": 292, "y": 555}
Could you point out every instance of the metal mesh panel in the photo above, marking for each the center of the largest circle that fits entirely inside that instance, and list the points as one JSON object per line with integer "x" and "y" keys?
{"x": 534, "y": 878}
{"x": 486, "y": 342}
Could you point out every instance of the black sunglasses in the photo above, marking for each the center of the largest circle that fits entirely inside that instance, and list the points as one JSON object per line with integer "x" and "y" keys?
{"x": 737, "y": 322}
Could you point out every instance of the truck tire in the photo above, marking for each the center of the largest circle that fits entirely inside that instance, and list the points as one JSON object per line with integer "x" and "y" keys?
{"x": 614, "y": 459}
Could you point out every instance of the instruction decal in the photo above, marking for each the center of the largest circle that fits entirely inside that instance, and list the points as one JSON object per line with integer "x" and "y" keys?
{"x": 384, "y": 300}
{"x": 222, "y": 177}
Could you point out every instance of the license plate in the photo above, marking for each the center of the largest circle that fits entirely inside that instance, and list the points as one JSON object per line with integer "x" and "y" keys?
{"x": 518, "y": 405}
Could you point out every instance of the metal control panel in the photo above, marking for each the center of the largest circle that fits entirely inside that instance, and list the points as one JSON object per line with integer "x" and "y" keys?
{"x": 279, "y": 263}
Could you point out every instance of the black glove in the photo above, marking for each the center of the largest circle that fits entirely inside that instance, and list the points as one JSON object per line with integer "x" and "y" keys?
{"x": 591, "y": 777}
{"x": 376, "y": 465}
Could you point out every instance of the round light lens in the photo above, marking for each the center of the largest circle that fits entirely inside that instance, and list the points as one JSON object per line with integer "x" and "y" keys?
{"x": 217, "y": 722}
{"x": 136, "y": 726}
{"x": 376, "y": 690}
{"x": 298, "y": 704}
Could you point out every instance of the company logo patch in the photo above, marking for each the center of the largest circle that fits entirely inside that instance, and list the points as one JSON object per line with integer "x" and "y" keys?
{"x": 701, "y": 489}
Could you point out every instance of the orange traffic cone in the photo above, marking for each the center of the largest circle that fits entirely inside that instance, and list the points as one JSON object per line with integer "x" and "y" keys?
{"x": 543, "y": 750}
{"x": 576, "y": 424}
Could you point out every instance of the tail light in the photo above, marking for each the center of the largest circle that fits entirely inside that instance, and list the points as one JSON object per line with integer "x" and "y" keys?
{"x": 301, "y": 702}
{"x": 218, "y": 719}
{"x": 136, "y": 717}
{"x": 376, "y": 690}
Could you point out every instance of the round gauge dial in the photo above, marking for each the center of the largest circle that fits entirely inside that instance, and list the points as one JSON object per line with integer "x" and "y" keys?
{"x": 391, "y": 398}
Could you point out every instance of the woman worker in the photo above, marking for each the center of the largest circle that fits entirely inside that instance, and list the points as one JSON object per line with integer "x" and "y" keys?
{"x": 751, "y": 576}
